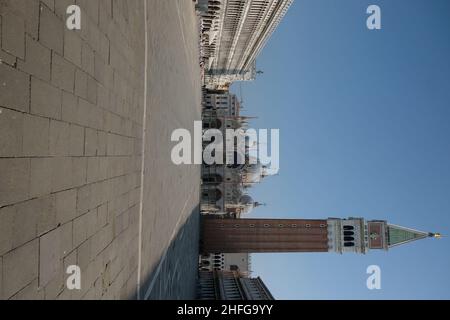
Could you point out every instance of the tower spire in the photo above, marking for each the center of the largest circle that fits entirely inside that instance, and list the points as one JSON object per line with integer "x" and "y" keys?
{"x": 398, "y": 235}
{"x": 436, "y": 235}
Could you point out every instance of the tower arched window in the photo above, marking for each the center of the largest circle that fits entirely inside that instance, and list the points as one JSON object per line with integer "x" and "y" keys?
{"x": 349, "y": 244}
{"x": 349, "y": 238}
{"x": 348, "y": 233}
{"x": 349, "y": 228}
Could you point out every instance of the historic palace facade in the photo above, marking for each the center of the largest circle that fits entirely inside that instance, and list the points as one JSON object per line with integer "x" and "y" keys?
{"x": 225, "y": 186}
{"x": 231, "y": 285}
{"x": 233, "y": 34}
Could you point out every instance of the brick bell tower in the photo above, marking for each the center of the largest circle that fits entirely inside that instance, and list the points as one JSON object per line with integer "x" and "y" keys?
{"x": 303, "y": 235}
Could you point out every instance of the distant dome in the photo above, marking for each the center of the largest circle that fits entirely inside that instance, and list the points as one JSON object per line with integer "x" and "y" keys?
{"x": 246, "y": 200}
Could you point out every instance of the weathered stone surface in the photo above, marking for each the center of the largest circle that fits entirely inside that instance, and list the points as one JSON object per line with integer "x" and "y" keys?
{"x": 79, "y": 171}
{"x": 49, "y": 3}
{"x": 14, "y": 89}
{"x": 72, "y": 46}
{"x": 6, "y": 58}
{"x": 66, "y": 239}
{"x": 63, "y": 73}
{"x": 6, "y": 231}
{"x": 11, "y": 133}
{"x": 25, "y": 9}
{"x": 16, "y": 278}
{"x": 1, "y": 278}
{"x": 31, "y": 292}
{"x": 14, "y": 175}
{"x": 35, "y": 135}
{"x": 40, "y": 177}
{"x": 69, "y": 107}
{"x": 76, "y": 143}
{"x": 45, "y": 99}
{"x": 37, "y": 60}
{"x": 71, "y": 143}
{"x": 44, "y": 208}
{"x": 13, "y": 35}
{"x": 65, "y": 204}
{"x": 24, "y": 227}
{"x": 87, "y": 59}
{"x": 51, "y": 29}
{"x": 62, "y": 174}
{"x": 81, "y": 84}
{"x": 59, "y": 137}
{"x": 49, "y": 256}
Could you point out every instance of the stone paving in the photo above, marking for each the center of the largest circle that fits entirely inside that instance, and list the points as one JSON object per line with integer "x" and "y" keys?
{"x": 71, "y": 136}
{"x": 176, "y": 274}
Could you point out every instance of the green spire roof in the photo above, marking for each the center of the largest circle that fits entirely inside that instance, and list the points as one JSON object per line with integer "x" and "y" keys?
{"x": 399, "y": 235}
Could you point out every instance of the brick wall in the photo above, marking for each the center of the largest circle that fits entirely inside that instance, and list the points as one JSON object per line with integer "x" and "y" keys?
{"x": 70, "y": 137}
{"x": 264, "y": 235}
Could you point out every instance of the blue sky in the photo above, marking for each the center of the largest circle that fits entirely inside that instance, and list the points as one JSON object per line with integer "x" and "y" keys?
{"x": 364, "y": 119}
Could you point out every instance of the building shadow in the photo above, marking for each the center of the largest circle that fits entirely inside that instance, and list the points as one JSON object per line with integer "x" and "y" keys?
{"x": 176, "y": 273}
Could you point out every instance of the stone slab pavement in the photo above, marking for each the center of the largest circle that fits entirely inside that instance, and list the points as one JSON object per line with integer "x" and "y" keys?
{"x": 71, "y": 149}
{"x": 171, "y": 192}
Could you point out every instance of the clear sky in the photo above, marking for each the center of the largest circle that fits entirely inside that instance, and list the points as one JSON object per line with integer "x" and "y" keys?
{"x": 364, "y": 119}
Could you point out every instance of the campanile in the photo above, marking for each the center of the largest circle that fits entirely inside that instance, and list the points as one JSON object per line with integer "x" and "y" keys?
{"x": 356, "y": 235}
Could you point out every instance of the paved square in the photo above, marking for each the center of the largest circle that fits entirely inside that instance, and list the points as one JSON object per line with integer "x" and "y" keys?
{"x": 71, "y": 141}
